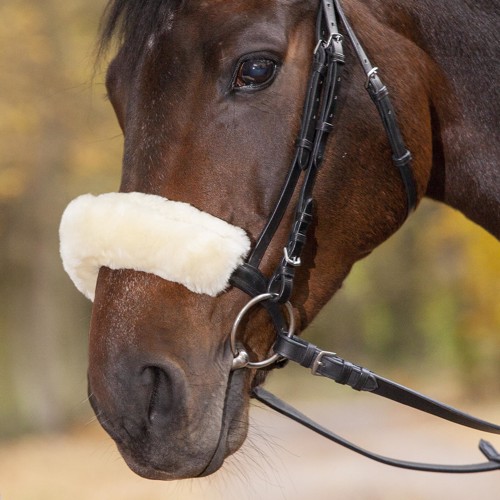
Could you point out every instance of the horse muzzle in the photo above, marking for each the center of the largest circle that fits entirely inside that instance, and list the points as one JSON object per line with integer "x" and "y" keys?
{"x": 163, "y": 432}
{"x": 166, "y": 395}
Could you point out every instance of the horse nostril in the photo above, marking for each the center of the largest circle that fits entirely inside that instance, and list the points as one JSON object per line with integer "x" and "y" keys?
{"x": 160, "y": 397}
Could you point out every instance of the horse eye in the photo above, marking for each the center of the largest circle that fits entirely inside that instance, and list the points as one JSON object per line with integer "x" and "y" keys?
{"x": 255, "y": 73}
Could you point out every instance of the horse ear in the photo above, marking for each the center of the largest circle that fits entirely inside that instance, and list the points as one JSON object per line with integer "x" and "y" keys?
{"x": 148, "y": 233}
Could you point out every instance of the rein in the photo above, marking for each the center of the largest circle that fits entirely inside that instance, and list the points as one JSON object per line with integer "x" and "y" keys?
{"x": 274, "y": 292}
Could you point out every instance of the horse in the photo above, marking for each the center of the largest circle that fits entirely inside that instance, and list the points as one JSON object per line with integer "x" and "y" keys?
{"x": 209, "y": 95}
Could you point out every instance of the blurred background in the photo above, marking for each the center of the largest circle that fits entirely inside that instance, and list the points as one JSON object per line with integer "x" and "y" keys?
{"x": 423, "y": 308}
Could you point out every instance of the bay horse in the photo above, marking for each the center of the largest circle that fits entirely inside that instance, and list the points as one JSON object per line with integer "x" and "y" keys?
{"x": 209, "y": 95}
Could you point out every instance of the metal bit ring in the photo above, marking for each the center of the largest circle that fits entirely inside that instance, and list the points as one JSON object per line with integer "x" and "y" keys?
{"x": 241, "y": 358}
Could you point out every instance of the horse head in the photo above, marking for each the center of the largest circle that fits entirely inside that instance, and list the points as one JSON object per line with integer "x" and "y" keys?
{"x": 209, "y": 96}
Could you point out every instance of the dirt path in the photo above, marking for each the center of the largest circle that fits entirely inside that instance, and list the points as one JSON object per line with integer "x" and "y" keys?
{"x": 281, "y": 460}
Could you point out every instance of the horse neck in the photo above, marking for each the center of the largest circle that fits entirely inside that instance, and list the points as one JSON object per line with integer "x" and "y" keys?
{"x": 459, "y": 41}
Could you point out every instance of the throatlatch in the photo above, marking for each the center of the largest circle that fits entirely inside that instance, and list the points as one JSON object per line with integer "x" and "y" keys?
{"x": 317, "y": 123}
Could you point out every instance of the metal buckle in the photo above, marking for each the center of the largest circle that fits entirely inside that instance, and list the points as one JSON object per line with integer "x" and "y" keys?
{"x": 317, "y": 362}
{"x": 241, "y": 358}
{"x": 293, "y": 261}
{"x": 327, "y": 43}
{"x": 370, "y": 75}
{"x": 334, "y": 36}
{"x": 318, "y": 45}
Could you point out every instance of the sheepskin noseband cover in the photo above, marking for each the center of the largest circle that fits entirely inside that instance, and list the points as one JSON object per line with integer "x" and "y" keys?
{"x": 149, "y": 233}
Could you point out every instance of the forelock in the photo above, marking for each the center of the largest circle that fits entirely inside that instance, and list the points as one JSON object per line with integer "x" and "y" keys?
{"x": 132, "y": 22}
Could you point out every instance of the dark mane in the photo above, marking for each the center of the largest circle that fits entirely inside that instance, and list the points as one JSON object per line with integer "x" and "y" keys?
{"x": 130, "y": 22}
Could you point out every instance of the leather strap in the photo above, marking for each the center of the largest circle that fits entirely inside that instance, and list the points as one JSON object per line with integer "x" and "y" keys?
{"x": 332, "y": 366}
{"x": 251, "y": 281}
{"x": 303, "y": 150}
{"x": 379, "y": 94}
{"x": 316, "y": 125}
{"x": 280, "y": 406}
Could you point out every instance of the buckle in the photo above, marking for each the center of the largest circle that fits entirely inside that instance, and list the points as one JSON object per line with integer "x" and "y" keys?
{"x": 371, "y": 74}
{"x": 317, "y": 362}
{"x": 333, "y": 37}
{"x": 337, "y": 37}
{"x": 293, "y": 261}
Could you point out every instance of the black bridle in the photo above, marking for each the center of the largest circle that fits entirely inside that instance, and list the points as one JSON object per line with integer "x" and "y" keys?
{"x": 271, "y": 293}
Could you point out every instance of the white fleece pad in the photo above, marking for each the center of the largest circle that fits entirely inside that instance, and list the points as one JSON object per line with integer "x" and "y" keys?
{"x": 149, "y": 233}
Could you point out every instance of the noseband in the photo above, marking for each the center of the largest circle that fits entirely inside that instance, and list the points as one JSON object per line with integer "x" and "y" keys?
{"x": 274, "y": 293}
